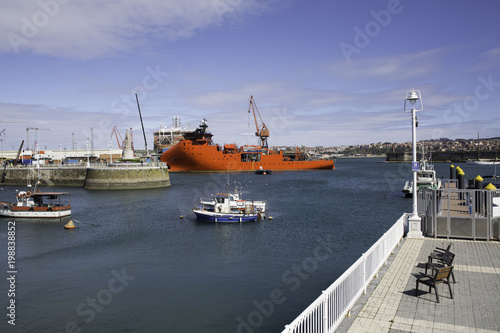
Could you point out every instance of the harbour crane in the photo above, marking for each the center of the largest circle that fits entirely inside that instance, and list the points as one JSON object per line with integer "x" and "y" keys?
{"x": 118, "y": 135}
{"x": 19, "y": 153}
{"x": 261, "y": 131}
{"x": 28, "y": 134}
{"x": 142, "y": 124}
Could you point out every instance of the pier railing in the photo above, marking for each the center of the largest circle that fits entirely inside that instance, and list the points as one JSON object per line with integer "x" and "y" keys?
{"x": 460, "y": 213}
{"x": 325, "y": 314}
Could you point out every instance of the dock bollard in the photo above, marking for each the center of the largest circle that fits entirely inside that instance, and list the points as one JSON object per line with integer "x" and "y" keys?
{"x": 479, "y": 195}
{"x": 452, "y": 173}
{"x": 489, "y": 187}
{"x": 457, "y": 170}
{"x": 461, "y": 183}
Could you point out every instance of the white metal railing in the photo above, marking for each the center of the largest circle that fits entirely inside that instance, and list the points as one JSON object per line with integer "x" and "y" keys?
{"x": 84, "y": 164}
{"x": 326, "y": 313}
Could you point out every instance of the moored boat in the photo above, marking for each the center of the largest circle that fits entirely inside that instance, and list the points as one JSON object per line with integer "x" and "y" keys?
{"x": 229, "y": 207}
{"x": 483, "y": 162}
{"x": 262, "y": 171}
{"x": 426, "y": 177}
{"x": 38, "y": 204}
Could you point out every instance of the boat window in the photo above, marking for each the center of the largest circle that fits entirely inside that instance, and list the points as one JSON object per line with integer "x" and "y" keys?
{"x": 250, "y": 157}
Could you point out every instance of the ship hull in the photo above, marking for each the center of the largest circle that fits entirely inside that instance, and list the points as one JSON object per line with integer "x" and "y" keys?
{"x": 190, "y": 155}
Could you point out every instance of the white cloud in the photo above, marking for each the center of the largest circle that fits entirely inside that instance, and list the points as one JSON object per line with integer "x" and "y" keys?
{"x": 396, "y": 67}
{"x": 94, "y": 28}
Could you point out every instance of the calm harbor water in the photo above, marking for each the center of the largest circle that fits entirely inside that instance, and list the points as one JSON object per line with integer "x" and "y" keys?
{"x": 133, "y": 265}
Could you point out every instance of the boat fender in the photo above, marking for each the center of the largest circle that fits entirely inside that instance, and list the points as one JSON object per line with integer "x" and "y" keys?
{"x": 28, "y": 194}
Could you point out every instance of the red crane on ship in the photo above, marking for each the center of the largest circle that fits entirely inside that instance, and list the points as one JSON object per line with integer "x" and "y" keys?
{"x": 261, "y": 131}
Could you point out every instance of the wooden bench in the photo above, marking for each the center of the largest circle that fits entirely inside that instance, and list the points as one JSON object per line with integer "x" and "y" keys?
{"x": 441, "y": 260}
{"x": 441, "y": 275}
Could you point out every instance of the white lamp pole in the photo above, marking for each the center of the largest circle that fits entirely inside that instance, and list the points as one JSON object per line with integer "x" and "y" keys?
{"x": 414, "y": 222}
{"x": 110, "y": 153}
{"x": 88, "y": 155}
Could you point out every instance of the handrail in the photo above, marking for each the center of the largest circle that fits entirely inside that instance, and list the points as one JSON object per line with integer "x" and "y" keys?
{"x": 327, "y": 312}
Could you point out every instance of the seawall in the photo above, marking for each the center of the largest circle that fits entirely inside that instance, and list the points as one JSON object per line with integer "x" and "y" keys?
{"x": 92, "y": 178}
{"x": 443, "y": 156}
{"x": 127, "y": 178}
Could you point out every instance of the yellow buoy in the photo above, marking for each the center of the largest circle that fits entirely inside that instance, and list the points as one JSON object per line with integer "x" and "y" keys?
{"x": 69, "y": 225}
{"x": 181, "y": 216}
{"x": 270, "y": 217}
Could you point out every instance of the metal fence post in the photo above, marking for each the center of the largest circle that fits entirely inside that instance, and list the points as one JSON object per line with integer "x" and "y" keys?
{"x": 364, "y": 273}
{"x": 325, "y": 312}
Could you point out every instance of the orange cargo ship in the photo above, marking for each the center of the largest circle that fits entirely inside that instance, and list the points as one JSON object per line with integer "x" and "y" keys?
{"x": 197, "y": 152}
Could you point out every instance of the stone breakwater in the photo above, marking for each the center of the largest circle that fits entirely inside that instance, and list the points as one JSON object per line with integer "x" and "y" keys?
{"x": 92, "y": 178}
{"x": 444, "y": 156}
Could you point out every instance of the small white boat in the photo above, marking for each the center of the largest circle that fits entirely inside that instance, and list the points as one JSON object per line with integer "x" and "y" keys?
{"x": 38, "y": 204}
{"x": 483, "y": 162}
{"x": 229, "y": 207}
{"x": 262, "y": 171}
{"x": 426, "y": 177}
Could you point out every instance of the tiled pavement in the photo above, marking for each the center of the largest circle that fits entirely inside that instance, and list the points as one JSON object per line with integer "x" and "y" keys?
{"x": 391, "y": 305}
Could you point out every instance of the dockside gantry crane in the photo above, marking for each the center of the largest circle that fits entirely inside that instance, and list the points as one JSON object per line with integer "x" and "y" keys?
{"x": 261, "y": 131}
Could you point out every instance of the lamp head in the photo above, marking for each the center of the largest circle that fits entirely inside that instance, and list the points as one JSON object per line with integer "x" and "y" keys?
{"x": 413, "y": 96}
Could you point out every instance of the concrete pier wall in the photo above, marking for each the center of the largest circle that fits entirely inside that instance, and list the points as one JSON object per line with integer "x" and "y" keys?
{"x": 126, "y": 178}
{"x": 49, "y": 176}
{"x": 98, "y": 178}
{"x": 443, "y": 156}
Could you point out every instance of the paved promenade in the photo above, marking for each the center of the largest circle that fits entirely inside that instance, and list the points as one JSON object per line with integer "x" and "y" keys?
{"x": 391, "y": 305}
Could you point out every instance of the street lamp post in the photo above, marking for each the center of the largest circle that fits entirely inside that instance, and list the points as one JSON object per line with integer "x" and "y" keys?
{"x": 110, "y": 153}
{"x": 88, "y": 155}
{"x": 414, "y": 222}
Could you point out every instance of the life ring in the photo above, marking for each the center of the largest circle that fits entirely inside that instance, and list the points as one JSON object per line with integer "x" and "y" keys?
{"x": 28, "y": 194}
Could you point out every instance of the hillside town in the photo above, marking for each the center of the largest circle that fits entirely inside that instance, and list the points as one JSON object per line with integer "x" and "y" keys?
{"x": 481, "y": 145}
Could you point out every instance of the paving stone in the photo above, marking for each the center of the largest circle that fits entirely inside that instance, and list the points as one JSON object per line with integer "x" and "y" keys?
{"x": 393, "y": 307}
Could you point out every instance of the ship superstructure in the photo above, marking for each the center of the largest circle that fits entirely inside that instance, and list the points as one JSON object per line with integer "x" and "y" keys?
{"x": 165, "y": 138}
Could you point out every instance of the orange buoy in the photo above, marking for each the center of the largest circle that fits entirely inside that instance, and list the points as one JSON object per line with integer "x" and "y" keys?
{"x": 70, "y": 225}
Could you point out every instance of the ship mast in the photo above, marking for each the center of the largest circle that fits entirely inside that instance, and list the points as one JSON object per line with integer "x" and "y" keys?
{"x": 262, "y": 132}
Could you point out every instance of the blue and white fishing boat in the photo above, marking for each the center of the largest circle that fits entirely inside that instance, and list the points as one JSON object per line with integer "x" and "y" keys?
{"x": 229, "y": 207}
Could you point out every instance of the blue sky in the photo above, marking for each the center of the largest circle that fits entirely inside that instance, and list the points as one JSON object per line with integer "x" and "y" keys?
{"x": 324, "y": 73}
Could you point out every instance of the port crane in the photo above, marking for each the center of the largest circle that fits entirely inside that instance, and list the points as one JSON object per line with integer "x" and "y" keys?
{"x": 120, "y": 141}
{"x": 28, "y": 134}
{"x": 261, "y": 131}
